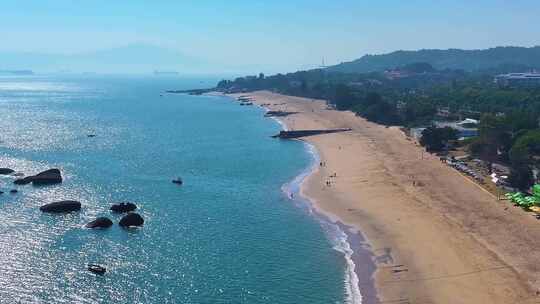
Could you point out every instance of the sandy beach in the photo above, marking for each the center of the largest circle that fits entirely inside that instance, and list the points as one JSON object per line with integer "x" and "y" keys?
{"x": 437, "y": 237}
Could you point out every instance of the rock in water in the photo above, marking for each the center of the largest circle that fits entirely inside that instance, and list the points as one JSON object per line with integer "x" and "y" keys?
{"x": 123, "y": 207}
{"x": 23, "y": 181}
{"x": 51, "y": 176}
{"x": 6, "y": 171}
{"x": 61, "y": 207}
{"x": 100, "y": 222}
{"x": 13, "y": 191}
{"x": 132, "y": 219}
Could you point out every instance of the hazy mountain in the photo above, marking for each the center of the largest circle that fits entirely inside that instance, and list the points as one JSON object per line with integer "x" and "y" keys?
{"x": 469, "y": 60}
{"x": 132, "y": 58}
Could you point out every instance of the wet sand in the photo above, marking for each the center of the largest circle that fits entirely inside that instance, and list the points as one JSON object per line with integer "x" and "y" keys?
{"x": 436, "y": 236}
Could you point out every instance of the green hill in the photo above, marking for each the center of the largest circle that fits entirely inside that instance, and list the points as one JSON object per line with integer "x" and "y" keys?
{"x": 469, "y": 60}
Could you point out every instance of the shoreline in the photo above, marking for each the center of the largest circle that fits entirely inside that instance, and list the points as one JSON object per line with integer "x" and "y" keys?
{"x": 351, "y": 244}
{"x": 354, "y": 245}
{"x": 439, "y": 241}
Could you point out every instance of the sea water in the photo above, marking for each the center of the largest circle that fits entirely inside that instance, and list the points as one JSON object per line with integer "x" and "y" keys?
{"x": 228, "y": 235}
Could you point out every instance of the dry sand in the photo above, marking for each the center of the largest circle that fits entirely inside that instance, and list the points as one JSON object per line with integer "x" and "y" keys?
{"x": 458, "y": 243}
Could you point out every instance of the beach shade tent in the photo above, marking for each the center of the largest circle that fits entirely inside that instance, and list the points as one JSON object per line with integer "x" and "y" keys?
{"x": 510, "y": 195}
{"x": 536, "y": 190}
{"x": 514, "y": 197}
{"x": 531, "y": 200}
{"x": 520, "y": 201}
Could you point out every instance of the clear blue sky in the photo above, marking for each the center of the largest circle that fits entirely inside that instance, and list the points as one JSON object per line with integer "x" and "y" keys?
{"x": 277, "y": 33}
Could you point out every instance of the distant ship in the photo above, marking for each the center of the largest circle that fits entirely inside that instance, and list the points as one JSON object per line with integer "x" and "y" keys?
{"x": 166, "y": 73}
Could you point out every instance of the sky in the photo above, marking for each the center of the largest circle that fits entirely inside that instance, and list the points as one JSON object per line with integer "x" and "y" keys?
{"x": 275, "y": 35}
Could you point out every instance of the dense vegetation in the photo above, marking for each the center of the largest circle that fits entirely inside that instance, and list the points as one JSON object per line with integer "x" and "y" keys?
{"x": 421, "y": 94}
{"x": 435, "y": 139}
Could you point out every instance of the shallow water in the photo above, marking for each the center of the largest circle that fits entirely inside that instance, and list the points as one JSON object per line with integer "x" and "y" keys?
{"x": 229, "y": 235}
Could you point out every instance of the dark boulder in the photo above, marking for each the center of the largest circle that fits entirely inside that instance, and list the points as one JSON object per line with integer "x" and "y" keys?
{"x": 100, "y": 222}
{"x": 6, "y": 171}
{"x": 131, "y": 219}
{"x": 51, "y": 176}
{"x": 1, "y": 192}
{"x": 123, "y": 207}
{"x": 63, "y": 206}
{"x": 23, "y": 181}
{"x": 13, "y": 191}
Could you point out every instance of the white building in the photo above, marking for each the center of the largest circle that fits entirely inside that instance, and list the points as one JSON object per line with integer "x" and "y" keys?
{"x": 518, "y": 80}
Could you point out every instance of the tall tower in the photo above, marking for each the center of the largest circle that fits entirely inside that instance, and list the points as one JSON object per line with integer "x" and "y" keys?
{"x": 323, "y": 65}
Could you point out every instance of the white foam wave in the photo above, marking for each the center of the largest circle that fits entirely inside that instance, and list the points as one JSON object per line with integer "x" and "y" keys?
{"x": 335, "y": 234}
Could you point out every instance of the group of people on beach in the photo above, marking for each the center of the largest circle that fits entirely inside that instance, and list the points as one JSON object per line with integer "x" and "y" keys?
{"x": 329, "y": 182}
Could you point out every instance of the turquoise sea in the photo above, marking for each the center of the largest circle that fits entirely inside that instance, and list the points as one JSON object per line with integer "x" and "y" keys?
{"x": 231, "y": 234}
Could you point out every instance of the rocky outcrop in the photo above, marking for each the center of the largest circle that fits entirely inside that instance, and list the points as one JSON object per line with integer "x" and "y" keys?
{"x": 123, "y": 207}
{"x": 61, "y": 207}
{"x": 131, "y": 220}
{"x": 51, "y": 176}
{"x": 6, "y": 171}
{"x": 100, "y": 222}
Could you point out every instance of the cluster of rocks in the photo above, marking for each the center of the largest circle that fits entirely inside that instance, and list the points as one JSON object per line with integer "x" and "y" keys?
{"x": 51, "y": 176}
{"x": 54, "y": 176}
{"x": 132, "y": 219}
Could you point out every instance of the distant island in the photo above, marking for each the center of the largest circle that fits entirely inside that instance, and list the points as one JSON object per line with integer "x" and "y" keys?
{"x": 166, "y": 73}
{"x": 16, "y": 72}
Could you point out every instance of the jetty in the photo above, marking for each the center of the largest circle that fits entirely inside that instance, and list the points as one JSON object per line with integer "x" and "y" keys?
{"x": 304, "y": 133}
{"x": 192, "y": 92}
{"x": 245, "y": 99}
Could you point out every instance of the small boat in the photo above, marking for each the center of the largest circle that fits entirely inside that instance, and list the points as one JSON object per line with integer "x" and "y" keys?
{"x": 97, "y": 269}
{"x": 178, "y": 181}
